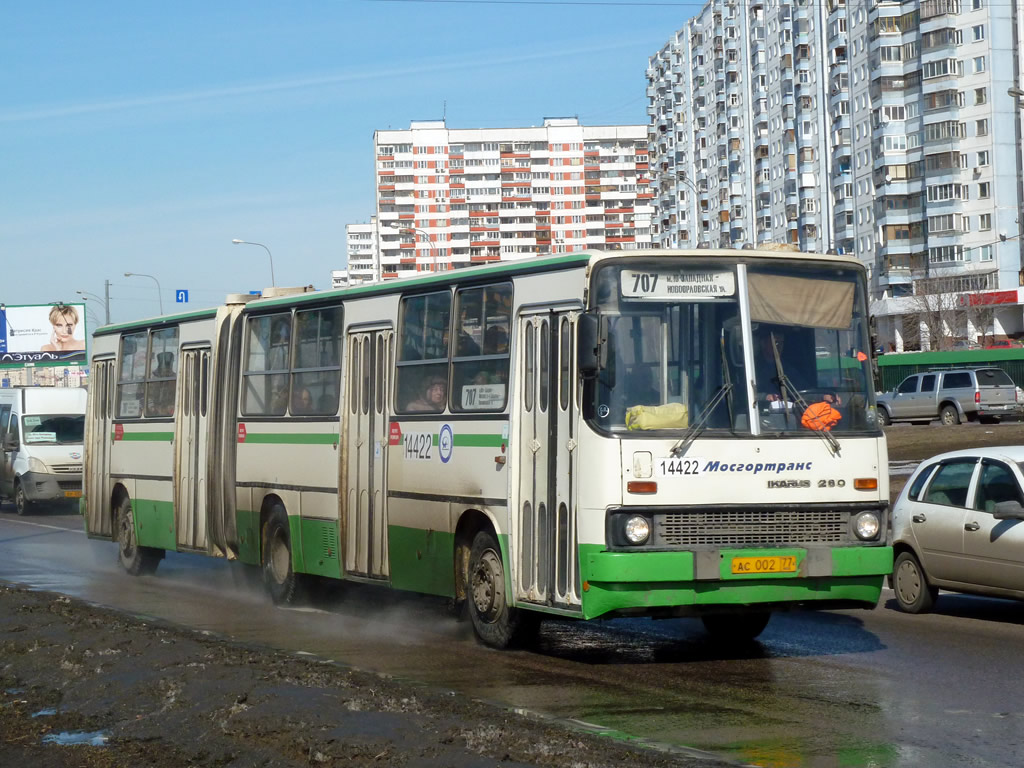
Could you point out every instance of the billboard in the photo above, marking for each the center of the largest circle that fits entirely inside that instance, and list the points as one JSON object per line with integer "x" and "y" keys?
{"x": 42, "y": 334}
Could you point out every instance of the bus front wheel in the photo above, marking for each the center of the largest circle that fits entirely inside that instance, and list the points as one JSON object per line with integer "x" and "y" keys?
{"x": 278, "y": 576}
{"x": 134, "y": 559}
{"x": 736, "y": 628}
{"x": 495, "y": 622}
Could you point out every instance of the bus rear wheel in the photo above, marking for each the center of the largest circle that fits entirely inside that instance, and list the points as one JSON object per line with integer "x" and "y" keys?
{"x": 134, "y": 559}
{"x": 495, "y": 622}
{"x": 736, "y": 628}
{"x": 278, "y": 576}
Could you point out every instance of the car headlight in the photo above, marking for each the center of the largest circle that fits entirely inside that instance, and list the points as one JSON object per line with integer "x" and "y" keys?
{"x": 866, "y": 525}
{"x": 637, "y": 529}
{"x": 36, "y": 465}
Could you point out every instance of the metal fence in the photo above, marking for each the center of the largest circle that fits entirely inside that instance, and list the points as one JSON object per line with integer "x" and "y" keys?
{"x": 894, "y": 368}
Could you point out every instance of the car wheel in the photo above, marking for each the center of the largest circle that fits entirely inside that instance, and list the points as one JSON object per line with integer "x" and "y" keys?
{"x": 949, "y": 415}
{"x": 913, "y": 592}
{"x": 21, "y": 503}
{"x": 883, "y": 417}
{"x": 736, "y": 628}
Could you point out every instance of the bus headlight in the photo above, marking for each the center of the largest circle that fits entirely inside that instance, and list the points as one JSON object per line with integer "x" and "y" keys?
{"x": 866, "y": 526}
{"x": 637, "y": 529}
{"x": 37, "y": 466}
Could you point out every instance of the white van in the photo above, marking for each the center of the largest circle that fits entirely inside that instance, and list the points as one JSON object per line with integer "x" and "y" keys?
{"x": 41, "y": 445}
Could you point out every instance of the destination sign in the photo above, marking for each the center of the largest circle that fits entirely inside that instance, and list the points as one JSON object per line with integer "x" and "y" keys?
{"x": 681, "y": 285}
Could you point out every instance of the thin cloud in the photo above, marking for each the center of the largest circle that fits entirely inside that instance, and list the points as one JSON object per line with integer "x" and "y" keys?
{"x": 473, "y": 61}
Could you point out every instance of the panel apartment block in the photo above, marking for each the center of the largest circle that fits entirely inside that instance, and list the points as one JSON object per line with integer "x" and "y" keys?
{"x": 449, "y": 198}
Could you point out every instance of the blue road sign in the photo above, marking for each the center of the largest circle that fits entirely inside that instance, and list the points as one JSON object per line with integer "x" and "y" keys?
{"x": 181, "y": 297}
{"x": 255, "y": 293}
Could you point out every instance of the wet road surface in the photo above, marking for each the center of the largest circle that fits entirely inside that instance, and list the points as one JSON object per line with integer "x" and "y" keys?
{"x": 845, "y": 688}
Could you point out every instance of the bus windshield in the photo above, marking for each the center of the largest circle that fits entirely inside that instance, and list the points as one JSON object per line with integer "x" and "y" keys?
{"x": 673, "y": 340}
{"x": 674, "y": 350}
{"x": 811, "y": 349}
{"x": 62, "y": 429}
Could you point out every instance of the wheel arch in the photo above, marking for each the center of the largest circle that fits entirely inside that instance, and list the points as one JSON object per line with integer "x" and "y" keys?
{"x": 117, "y": 495}
{"x": 470, "y": 523}
{"x": 955, "y": 403}
{"x": 270, "y": 501}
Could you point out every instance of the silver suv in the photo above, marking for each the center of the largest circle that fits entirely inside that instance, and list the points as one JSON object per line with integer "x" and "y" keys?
{"x": 952, "y": 396}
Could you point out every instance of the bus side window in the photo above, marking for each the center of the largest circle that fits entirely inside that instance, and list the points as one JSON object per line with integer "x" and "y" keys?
{"x": 316, "y": 368}
{"x": 481, "y": 360}
{"x": 265, "y": 373}
{"x": 131, "y": 379}
{"x": 424, "y": 328}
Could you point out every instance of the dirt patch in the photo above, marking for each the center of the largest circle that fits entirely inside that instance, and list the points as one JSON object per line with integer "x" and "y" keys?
{"x": 155, "y": 695}
{"x": 909, "y": 442}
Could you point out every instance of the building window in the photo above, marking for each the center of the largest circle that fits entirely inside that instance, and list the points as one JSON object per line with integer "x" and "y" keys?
{"x": 985, "y": 221}
{"x": 983, "y": 158}
{"x": 979, "y": 63}
{"x": 978, "y": 32}
{"x": 981, "y": 95}
{"x": 985, "y": 253}
{"x": 981, "y": 127}
{"x": 984, "y": 190}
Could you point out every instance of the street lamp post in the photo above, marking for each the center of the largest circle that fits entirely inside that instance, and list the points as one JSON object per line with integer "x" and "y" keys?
{"x": 159, "y": 290}
{"x": 413, "y": 231}
{"x": 106, "y": 306}
{"x": 236, "y": 241}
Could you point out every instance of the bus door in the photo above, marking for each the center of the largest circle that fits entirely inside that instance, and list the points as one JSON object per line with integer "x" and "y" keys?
{"x": 192, "y": 448}
{"x": 97, "y": 451}
{"x": 368, "y": 360}
{"x": 548, "y": 570}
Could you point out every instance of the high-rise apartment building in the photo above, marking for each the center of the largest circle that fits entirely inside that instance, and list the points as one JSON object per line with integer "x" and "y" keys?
{"x": 449, "y": 198}
{"x": 739, "y": 138}
{"x": 883, "y": 129}
{"x": 361, "y": 249}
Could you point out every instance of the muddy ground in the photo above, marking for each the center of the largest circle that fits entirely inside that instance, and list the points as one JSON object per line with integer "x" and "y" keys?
{"x": 150, "y": 694}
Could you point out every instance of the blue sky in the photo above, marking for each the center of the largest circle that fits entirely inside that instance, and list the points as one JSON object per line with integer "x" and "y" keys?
{"x": 143, "y": 137}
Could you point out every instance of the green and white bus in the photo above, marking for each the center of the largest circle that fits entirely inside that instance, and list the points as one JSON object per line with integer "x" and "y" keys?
{"x": 595, "y": 435}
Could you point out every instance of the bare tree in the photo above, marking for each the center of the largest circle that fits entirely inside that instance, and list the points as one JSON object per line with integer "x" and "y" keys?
{"x": 941, "y": 310}
{"x": 981, "y": 313}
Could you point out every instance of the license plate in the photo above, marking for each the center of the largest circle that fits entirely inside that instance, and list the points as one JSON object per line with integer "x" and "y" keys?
{"x": 72, "y": 494}
{"x": 770, "y": 564}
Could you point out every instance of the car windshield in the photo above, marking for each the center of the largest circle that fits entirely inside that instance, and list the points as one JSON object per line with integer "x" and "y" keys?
{"x": 673, "y": 339}
{"x": 60, "y": 429}
{"x": 810, "y": 348}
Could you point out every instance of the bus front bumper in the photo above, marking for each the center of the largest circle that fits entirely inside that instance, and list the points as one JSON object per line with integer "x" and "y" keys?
{"x": 693, "y": 583}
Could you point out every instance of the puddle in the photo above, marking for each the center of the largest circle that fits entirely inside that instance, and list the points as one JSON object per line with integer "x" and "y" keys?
{"x": 65, "y": 739}
{"x": 14, "y": 691}
{"x": 45, "y": 713}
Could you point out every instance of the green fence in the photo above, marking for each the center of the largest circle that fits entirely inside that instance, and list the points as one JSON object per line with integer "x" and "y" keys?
{"x": 894, "y": 368}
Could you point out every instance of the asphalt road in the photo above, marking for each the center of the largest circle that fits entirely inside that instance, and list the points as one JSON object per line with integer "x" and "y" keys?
{"x": 852, "y": 688}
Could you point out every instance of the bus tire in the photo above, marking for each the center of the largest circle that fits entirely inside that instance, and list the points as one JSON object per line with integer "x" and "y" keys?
{"x": 21, "y": 503}
{"x": 495, "y": 622}
{"x": 136, "y": 560}
{"x": 736, "y": 628}
{"x": 278, "y": 576}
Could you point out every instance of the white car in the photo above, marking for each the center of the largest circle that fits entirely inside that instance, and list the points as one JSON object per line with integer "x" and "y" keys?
{"x": 959, "y": 525}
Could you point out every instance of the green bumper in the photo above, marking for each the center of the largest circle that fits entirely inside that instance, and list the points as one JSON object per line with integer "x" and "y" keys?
{"x": 638, "y": 582}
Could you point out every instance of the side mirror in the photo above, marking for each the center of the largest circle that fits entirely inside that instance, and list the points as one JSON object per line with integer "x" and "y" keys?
{"x": 1008, "y": 510}
{"x": 588, "y": 343}
{"x": 11, "y": 443}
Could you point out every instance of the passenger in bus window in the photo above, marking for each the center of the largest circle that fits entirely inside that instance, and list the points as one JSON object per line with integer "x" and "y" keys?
{"x": 302, "y": 401}
{"x": 433, "y": 396}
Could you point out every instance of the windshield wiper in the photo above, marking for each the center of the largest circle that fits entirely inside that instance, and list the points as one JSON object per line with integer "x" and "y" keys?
{"x": 786, "y": 389}
{"x": 698, "y": 426}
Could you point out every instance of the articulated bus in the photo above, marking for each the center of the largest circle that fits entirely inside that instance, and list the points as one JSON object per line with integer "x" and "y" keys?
{"x": 594, "y": 435}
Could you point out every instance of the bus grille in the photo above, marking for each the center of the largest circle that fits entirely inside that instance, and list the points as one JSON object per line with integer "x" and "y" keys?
{"x": 752, "y": 527}
{"x": 65, "y": 469}
{"x": 69, "y": 485}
